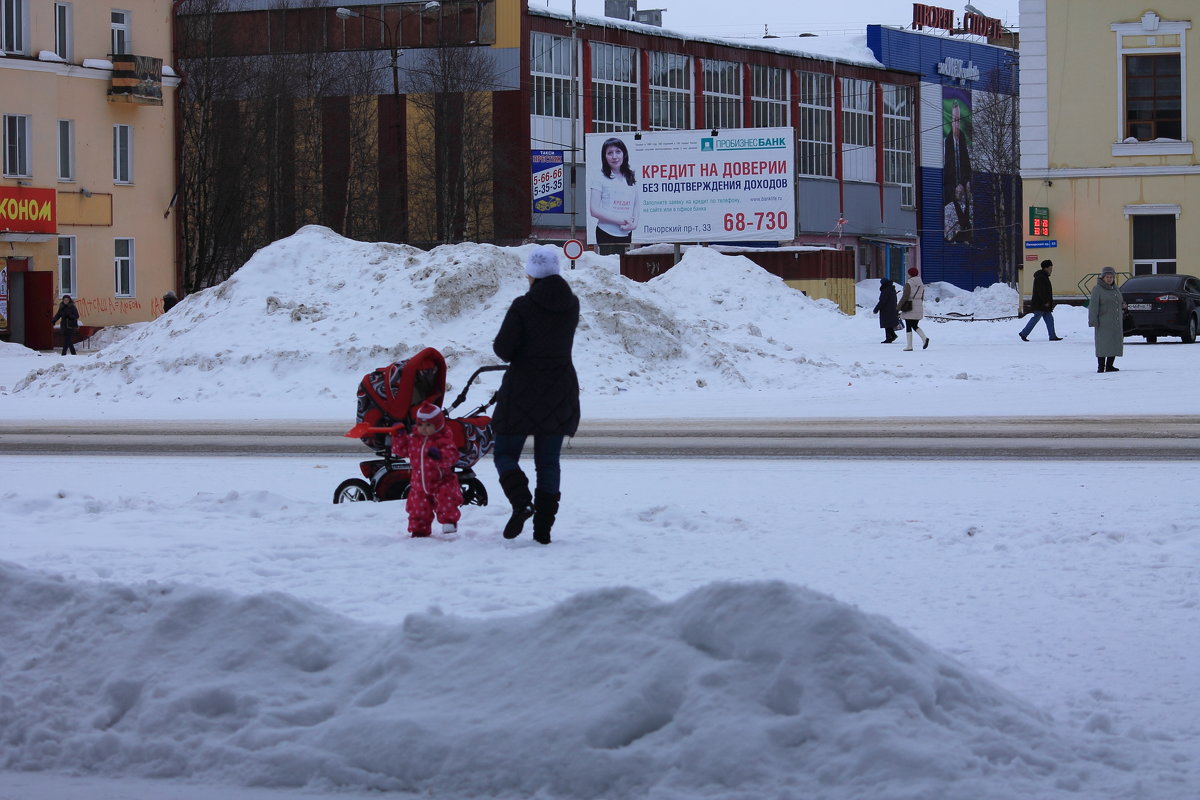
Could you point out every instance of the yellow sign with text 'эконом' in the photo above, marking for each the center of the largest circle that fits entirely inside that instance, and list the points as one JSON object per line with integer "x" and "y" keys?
{"x": 27, "y": 210}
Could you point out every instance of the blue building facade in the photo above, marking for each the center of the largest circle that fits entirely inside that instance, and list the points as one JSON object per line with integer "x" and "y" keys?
{"x": 968, "y": 193}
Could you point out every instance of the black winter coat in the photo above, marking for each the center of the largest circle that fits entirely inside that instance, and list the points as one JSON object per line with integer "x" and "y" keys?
{"x": 69, "y": 315}
{"x": 1042, "y": 298}
{"x": 889, "y": 316}
{"x": 540, "y": 390}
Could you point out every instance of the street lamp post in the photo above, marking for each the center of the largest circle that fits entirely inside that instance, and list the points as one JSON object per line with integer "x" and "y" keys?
{"x": 393, "y": 36}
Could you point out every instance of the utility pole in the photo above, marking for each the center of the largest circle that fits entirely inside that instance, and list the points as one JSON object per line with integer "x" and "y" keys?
{"x": 574, "y": 117}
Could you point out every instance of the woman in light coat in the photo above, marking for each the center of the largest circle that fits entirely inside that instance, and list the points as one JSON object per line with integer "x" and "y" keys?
{"x": 914, "y": 292}
{"x": 1106, "y": 317}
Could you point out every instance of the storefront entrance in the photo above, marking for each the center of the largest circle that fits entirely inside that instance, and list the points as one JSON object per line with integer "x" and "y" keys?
{"x": 30, "y": 305}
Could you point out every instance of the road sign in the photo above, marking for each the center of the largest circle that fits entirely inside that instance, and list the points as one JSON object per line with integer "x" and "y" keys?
{"x": 573, "y": 249}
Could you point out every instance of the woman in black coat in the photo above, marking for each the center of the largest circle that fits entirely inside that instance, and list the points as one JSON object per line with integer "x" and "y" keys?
{"x": 889, "y": 317}
{"x": 539, "y": 395}
{"x": 68, "y": 312}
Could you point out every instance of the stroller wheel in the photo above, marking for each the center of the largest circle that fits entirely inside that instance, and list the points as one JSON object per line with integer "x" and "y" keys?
{"x": 353, "y": 490}
{"x": 474, "y": 492}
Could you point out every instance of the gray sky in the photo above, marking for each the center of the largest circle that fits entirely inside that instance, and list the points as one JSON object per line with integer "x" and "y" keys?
{"x": 747, "y": 18}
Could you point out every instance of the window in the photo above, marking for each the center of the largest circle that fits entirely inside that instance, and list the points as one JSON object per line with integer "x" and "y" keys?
{"x": 614, "y": 88}
{"x": 1153, "y": 103}
{"x": 16, "y": 146}
{"x": 858, "y": 129}
{"x": 122, "y": 154}
{"x": 768, "y": 97}
{"x": 1151, "y": 87}
{"x": 1153, "y": 244}
{"x": 814, "y": 129}
{"x": 550, "y": 69}
{"x": 722, "y": 94}
{"x": 898, "y": 141}
{"x": 670, "y": 92}
{"x": 123, "y": 267}
{"x": 66, "y": 150}
{"x": 122, "y": 31}
{"x": 14, "y": 26}
{"x": 66, "y": 266}
{"x": 63, "y": 39}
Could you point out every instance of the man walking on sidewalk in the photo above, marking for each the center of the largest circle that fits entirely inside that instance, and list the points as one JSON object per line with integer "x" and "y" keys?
{"x": 1041, "y": 303}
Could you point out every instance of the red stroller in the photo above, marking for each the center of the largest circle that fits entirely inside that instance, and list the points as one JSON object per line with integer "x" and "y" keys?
{"x": 387, "y": 398}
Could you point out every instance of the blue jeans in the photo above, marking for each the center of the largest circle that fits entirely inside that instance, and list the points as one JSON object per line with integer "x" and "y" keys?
{"x": 546, "y": 451}
{"x": 1033, "y": 320}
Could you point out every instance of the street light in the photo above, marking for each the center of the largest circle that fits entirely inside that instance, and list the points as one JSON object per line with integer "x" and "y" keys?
{"x": 392, "y": 35}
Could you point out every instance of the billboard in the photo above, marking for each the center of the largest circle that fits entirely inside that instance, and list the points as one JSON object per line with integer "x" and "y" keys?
{"x": 548, "y": 182}
{"x": 691, "y": 186}
{"x": 958, "y": 197}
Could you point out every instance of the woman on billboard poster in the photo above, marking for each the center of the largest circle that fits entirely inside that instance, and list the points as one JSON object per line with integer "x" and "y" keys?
{"x": 613, "y": 198}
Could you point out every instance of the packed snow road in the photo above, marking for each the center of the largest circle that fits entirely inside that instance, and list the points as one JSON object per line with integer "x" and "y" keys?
{"x": 1158, "y": 438}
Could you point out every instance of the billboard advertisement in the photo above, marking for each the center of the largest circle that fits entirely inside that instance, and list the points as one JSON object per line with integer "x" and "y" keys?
{"x": 691, "y": 186}
{"x": 958, "y": 199}
{"x": 548, "y": 182}
{"x": 3, "y": 295}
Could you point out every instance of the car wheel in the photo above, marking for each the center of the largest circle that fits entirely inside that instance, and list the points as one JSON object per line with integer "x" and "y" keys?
{"x": 1151, "y": 339}
{"x": 1189, "y": 336}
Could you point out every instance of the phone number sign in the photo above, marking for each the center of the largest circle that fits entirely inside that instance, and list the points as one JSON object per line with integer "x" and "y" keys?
{"x": 548, "y": 182}
{"x": 692, "y": 186}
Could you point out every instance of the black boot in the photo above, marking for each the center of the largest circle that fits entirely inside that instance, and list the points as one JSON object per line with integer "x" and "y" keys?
{"x": 1108, "y": 365}
{"x": 545, "y": 509}
{"x": 1099, "y": 364}
{"x": 516, "y": 489}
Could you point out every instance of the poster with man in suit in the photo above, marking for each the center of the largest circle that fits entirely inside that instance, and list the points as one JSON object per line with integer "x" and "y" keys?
{"x": 956, "y": 166}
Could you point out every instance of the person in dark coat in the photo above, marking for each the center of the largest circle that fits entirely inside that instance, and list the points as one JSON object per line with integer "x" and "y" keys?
{"x": 69, "y": 315}
{"x": 539, "y": 395}
{"x": 1041, "y": 303}
{"x": 889, "y": 317}
{"x": 1106, "y": 311}
{"x": 169, "y": 301}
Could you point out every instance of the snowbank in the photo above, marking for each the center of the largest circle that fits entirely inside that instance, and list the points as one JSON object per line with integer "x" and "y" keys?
{"x": 733, "y": 691}
{"x": 317, "y": 311}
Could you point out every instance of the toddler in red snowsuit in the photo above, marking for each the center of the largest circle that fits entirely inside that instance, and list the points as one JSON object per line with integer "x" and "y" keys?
{"x": 431, "y": 454}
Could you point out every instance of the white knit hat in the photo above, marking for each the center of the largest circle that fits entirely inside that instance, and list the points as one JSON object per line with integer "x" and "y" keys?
{"x": 542, "y": 262}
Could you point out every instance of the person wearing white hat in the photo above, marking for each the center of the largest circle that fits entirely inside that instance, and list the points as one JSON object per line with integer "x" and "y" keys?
{"x": 539, "y": 395}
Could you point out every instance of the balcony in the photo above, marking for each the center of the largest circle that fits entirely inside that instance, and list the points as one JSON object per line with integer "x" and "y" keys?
{"x": 136, "y": 79}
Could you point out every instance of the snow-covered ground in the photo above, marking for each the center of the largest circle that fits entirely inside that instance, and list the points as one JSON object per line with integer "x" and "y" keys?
{"x": 178, "y": 628}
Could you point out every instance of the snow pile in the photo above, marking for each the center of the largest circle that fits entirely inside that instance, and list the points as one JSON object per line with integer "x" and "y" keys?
{"x": 994, "y": 302}
{"x": 317, "y": 311}
{"x": 14, "y": 350}
{"x": 732, "y": 691}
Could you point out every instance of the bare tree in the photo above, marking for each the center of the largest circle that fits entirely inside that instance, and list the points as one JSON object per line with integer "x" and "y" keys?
{"x": 215, "y": 166}
{"x": 453, "y": 157}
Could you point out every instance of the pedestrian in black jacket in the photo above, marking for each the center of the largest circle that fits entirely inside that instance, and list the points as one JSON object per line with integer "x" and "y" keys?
{"x": 69, "y": 315}
{"x": 1041, "y": 303}
{"x": 889, "y": 317}
{"x": 539, "y": 395}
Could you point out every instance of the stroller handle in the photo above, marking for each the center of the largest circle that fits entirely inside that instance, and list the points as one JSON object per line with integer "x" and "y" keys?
{"x": 363, "y": 429}
{"x": 463, "y": 394}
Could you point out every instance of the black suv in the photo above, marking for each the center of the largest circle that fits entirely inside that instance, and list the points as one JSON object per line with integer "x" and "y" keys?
{"x": 1162, "y": 305}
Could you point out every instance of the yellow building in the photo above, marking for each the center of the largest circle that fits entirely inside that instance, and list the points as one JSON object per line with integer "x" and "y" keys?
{"x": 88, "y": 163}
{"x": 1108, "y": 149}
